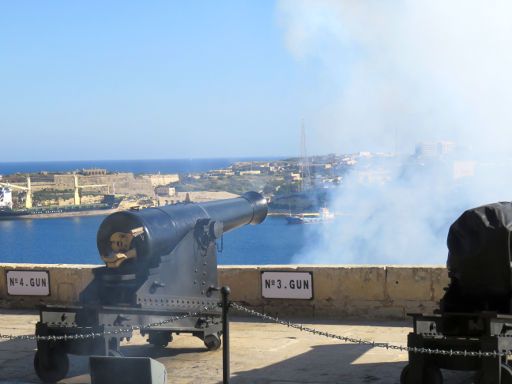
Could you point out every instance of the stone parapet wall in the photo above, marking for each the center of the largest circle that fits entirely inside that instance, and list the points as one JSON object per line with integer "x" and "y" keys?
{"x": 340, "y": 291}
{"x": 66, "y": 283}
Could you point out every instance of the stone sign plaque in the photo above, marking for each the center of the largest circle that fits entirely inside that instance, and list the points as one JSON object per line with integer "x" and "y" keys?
{"x": 287, "y": 285}
{"x": 28, "y": 283}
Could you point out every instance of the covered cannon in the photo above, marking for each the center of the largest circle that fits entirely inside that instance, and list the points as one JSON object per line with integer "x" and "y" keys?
{"x": 479, "y": 261}
{"x": 473, "y": 327}
{"x": 159, "y": 263}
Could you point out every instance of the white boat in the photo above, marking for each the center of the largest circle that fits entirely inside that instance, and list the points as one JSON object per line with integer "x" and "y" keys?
{"x": 323, "y": 216}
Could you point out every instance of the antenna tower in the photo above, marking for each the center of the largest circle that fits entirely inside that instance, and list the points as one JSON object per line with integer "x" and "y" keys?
{"x": 304, "y": 161}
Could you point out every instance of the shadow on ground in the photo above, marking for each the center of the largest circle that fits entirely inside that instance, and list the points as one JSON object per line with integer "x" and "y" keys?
{"x": 322, "y": 364}
{"x": 334, "y": 364}
{"x": 239, "y": 318}
{"x": 16, "y": 360}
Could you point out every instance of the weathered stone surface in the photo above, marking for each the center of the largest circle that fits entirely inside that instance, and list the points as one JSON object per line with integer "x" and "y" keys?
{"x": 339, "y": 290}
{"x": 440, "y": 281}
{"x": 409, "y": 283}
{"x": 66, "y": 282}
{"x": 349, "y": 283}
{"x": 261, "y": 353}
{"x": 244, "y": 283}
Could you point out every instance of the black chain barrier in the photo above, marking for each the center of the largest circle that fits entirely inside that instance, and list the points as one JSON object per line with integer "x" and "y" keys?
{"x": 226, "y": 305}
{"x": 116, "y": 331}
{"x": 428, "y": 351}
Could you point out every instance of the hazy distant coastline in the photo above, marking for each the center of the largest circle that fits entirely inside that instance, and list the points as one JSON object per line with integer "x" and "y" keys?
{"x": 135, "y": 166}
{"x": 288, "y": 184}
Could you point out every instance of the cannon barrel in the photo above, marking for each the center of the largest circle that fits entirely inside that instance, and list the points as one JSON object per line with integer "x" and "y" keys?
{"x": 154, "y": 232}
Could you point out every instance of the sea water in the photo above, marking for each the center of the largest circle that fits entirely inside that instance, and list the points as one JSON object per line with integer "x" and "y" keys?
{"x": 72, "y": 240}
{"x": 135, "y": 166}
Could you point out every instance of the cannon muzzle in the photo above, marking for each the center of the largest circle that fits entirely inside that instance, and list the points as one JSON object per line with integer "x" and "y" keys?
{"x": 148, "y": 234}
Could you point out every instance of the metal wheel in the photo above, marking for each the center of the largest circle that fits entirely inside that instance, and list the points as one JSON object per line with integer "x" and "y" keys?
{"x": 55, "y": 369}
{"x": 431, "y": 375}
{"x": 212, "y": 342}
{"x": 160, "y": 339}
{"x": 506, "y": 375}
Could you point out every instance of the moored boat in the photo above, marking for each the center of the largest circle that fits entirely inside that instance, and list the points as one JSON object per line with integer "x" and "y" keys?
{"x": 109, "y": 203}
{"x": 323, "y": 216}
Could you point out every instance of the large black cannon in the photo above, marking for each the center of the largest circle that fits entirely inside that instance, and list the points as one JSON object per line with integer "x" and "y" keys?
{"x": 160, "y": 263}
{"x": 475, "y": 314}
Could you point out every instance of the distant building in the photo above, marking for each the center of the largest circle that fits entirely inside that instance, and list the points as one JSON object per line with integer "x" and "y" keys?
{"x": 5, "y": 197}
{"x": 118, "y": 183}
{"x": 94, "y": 172}
{"x": 320, "y": 168}
{"x": 295, "y": 176}
{"x": 265, "y": 169}
{"x": 249, "y": 173}
{"x": 434, "y": 149}
{"x": 349, "y": 161}
{"x": 426, "y": 149}
{"x": 161, "y": 179}
{"x": 445, "y": 147}
{"x": 165, "y": 191}
{"x": 195, "y": 196}
{"x": 221, "y": 172}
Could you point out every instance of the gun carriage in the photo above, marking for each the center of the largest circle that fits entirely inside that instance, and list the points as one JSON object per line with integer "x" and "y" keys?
{"x": 159, "y": 263}
{"x": 475, "y": 314}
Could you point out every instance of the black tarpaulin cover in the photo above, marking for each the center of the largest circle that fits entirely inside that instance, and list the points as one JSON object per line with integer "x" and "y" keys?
{"x": 479, "y": 254}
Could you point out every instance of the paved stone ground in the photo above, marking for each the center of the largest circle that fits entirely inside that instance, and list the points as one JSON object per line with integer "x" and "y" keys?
{"x": 261, "y": 353}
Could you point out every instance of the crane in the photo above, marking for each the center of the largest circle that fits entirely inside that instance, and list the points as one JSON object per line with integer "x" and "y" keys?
{"x": 78, "y": 187}
{"x": 27, "y": 189}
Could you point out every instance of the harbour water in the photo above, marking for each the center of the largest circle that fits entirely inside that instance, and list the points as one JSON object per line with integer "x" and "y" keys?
{"x": 73, "y": 240}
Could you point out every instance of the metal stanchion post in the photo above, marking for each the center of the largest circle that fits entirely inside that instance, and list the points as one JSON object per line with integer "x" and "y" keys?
{"x": 225, "y": 291}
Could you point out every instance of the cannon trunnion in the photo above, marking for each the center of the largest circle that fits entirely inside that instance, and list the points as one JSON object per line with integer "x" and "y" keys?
{"x": 160, "y": 267}
{"x": 475, "y": 314}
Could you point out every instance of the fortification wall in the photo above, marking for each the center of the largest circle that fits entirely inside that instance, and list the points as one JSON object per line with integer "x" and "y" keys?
{"x": 123, "y": 183}
{"x": 339, "y": 291}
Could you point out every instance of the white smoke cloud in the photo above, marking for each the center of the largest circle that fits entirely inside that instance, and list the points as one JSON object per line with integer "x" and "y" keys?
{"x": 405, "y": 72}
{"x": 431, "y": 69}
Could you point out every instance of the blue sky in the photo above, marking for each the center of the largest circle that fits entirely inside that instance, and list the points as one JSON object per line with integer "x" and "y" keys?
{"x": 125, "y": 79}
{"x": 87, "y": 80}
